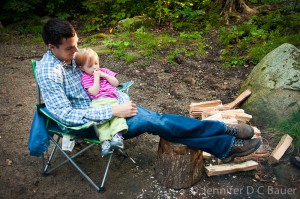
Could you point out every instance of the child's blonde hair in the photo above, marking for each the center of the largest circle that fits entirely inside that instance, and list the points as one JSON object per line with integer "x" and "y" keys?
{"x": 85, "y": 56}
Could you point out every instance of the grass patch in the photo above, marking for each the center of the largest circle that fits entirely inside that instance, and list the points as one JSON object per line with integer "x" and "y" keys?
{"x": 291, "y": 126}
{"x": 143, "y": 44}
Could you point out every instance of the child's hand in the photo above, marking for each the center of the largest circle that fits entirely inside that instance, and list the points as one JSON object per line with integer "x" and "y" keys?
{"x": 103, "y": 75}
{"x": 97, "y": 73}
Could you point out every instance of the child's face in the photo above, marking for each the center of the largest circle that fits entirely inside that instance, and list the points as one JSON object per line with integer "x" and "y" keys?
{"x": 91, "y": 67}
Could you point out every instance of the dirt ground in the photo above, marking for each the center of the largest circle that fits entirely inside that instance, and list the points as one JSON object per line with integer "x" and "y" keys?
{"x": 158, "y": 86}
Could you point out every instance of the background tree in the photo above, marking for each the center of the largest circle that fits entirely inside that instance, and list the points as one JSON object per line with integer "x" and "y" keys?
{"x": 232, "y": 7}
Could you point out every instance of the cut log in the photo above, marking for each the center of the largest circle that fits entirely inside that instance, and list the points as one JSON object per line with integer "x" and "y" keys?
{"x": 280, "y": 149}
{"x": 230, "y": 168}
{"x": 178, "y": 166}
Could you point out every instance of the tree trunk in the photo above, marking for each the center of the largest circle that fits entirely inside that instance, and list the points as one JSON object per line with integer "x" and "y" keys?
{"x": 177, "y": 165}
{"x": 230, "y": 7}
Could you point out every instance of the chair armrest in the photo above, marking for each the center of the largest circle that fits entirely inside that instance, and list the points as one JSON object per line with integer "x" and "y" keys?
{"x": 47, "y": 113}
{"x": 125, "y": 86}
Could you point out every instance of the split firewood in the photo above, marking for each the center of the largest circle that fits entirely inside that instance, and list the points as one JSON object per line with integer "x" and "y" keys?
{"x": 217, "y": 116}
{"x": 206, "y": 155}
{"x": 230, "y": 168}
{"x": 257, "y": 133}
{"x": 239, "y": 99}
{"x": 253, "y": 156}
{"x": 280, "y": 149}
{"x": 230, "y": 121}
{"x": 220, "y": 118}
{"x": 206, "y": 103}
{"x": 238, "y": 114}
{"x": 196, "y": 109}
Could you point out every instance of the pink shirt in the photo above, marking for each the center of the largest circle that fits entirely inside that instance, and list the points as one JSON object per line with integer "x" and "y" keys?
{"x": 106, "y": 89}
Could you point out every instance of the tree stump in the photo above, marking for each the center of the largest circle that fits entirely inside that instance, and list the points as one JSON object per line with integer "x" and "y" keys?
{"x": 178, "y": 166}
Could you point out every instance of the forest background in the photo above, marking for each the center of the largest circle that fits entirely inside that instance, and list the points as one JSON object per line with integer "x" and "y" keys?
{"x": 245, "y": 30}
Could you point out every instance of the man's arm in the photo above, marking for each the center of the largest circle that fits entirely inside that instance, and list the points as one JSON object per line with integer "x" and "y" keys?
{"x": 65, "y": 97}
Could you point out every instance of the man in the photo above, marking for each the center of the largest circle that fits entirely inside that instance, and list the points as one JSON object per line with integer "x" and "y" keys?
{"x": 60, "y": 83}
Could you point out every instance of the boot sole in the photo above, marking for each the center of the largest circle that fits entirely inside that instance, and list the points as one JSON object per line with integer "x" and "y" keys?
{"x": 229, "y": 159}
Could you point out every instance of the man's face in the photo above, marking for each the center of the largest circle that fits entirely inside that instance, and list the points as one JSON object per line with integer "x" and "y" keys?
{"x": 65, "y": 51}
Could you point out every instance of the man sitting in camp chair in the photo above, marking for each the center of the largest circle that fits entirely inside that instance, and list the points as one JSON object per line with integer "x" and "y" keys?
{"x": 60, "y": 83}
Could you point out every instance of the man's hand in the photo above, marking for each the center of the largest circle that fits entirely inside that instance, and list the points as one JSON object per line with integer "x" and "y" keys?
{"x": 127, "y": 109}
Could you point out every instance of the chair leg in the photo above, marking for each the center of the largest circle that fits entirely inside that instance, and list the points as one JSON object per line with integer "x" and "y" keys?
{"x": 102, "y": 188}
{"x": 72, "y": 157}
{"x": 47, "y": 170}
{"x": 45, "y": 166}
{"x": 74, "y": 164}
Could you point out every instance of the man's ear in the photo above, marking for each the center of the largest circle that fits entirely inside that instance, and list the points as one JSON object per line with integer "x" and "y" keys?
{"x": 51, "y": 47}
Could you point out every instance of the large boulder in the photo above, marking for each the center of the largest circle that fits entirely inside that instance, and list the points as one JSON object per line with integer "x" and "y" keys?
{"x": 275, "y": 87}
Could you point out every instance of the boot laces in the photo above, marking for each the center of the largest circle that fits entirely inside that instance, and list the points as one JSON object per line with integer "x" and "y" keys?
{"x": 239, "y": 142}
{"x": 232, "y": 130}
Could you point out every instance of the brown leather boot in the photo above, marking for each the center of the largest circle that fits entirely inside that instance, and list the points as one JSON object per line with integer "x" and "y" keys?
{"x": 242, "y": 148}
{"x": 240, "y": 131}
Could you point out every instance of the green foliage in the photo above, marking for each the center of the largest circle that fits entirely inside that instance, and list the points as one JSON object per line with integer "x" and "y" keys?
{"x": 16, "y": 10}
{"x": 26, "y": 27}
{"x": 184, "y": 14}
{"x": 243, "y": 43}
{"x": 252, "y": 40}
{"x": 96, "y": 14}
{"x": 291, "y": 126}
{"x": 258, "y": 51}
{"x": 101, "y": 13}
{"x": 134, "y": 45}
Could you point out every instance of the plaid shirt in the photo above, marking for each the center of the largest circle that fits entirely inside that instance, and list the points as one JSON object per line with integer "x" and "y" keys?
{"x": 64, "y": 95}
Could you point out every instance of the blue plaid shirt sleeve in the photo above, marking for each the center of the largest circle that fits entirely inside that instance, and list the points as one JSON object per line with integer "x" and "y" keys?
{"x": 64, "y": 95}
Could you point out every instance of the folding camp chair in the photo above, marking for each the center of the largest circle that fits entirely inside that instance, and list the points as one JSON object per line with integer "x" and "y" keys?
{"x": 86, "y": 133}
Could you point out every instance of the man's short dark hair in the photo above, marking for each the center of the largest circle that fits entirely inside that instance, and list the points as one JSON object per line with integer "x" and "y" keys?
{"x": 55, "y": 30}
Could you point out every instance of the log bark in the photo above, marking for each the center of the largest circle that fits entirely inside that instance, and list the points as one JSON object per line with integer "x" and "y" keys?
{"x": 178, "y": 166}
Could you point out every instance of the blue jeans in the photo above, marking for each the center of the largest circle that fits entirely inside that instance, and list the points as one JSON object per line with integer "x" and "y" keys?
{"x": 205, "y": 135}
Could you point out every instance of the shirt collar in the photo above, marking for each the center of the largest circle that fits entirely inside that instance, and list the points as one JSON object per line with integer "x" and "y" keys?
{"x": 72, "y": 65}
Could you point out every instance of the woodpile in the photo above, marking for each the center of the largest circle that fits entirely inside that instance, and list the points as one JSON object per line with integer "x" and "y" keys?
{"x": 215, "y": 110}
{"x": 229, "y": 114}
{"x": 179, "y": 166}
